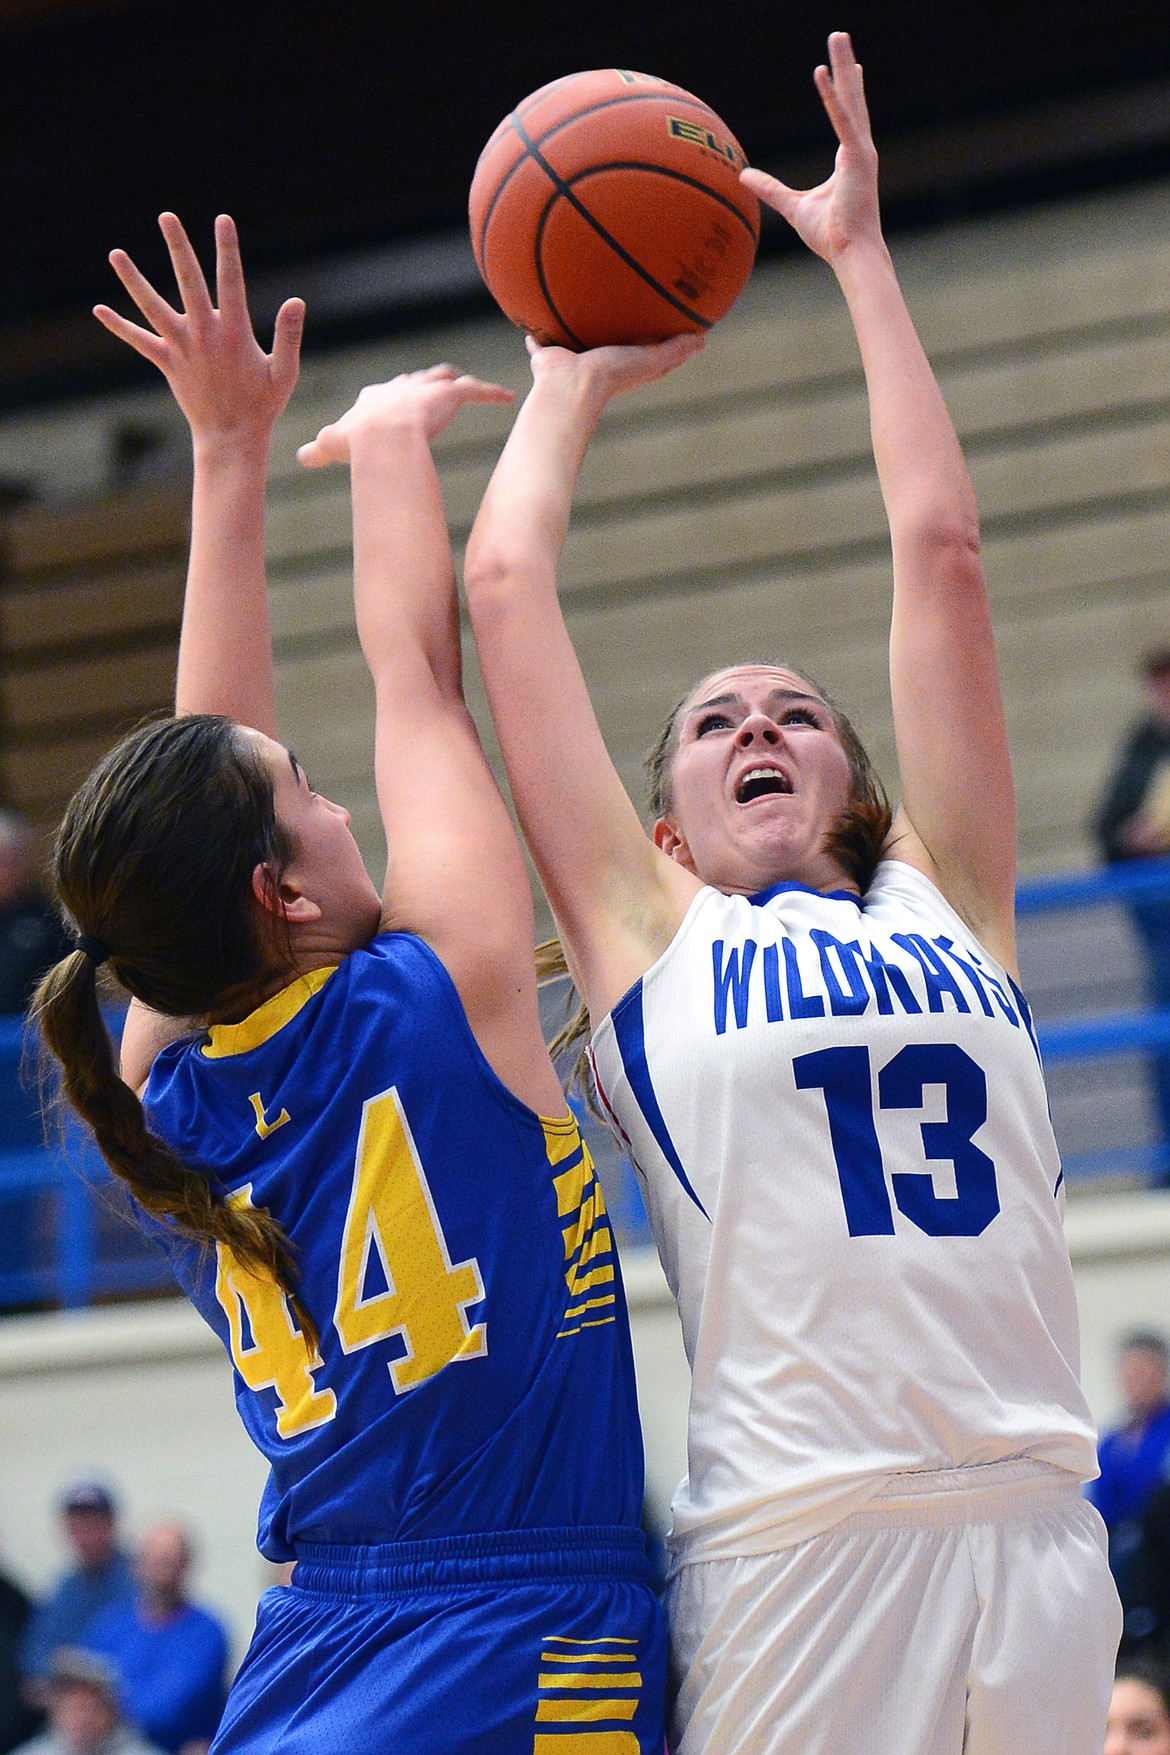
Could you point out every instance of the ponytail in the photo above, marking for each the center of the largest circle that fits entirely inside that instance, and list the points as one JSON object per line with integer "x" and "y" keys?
{"x": 153, "y": 864}
{"x": 551, "y": 965}
{"x": 66, "y": 1008}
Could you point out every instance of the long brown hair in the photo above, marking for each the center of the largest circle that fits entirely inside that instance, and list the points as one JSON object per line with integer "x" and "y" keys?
{"x": 153, "y": 864}
{"x": 855, "y": 840}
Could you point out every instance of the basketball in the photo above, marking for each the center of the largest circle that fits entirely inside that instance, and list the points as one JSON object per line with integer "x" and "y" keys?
{"x": 607, "y": 208}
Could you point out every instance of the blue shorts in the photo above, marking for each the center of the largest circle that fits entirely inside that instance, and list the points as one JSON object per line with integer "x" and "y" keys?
{"x": 543, "y": 1642}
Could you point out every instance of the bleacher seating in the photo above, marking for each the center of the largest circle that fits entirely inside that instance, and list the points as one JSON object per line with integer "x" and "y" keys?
{"x": 730, "y": 512}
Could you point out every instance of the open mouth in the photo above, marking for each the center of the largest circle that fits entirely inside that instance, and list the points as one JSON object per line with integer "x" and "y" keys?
{"x": 761, "y": 783}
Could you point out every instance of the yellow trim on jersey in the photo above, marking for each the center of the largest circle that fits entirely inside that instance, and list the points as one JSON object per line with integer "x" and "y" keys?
{"x": 262, "y": 1024}
{"x": 589, "y": 1304}
{"x": 598, "y": 1242}
{"x": 560, "y": 1134}
{"x": 602, "y": 1276}
{"x": 571, "y": 1185}
{"x": 584, "y": 1711}
{"x": 591, "y": 1679}
{"x": 587, "y": 1236}
{"x": 588, "y": 1657}
{"x": 586, "y": 1743}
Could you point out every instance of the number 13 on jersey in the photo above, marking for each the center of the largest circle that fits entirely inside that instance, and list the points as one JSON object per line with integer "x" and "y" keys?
{"x": 391, "y": 1214}
{"x": 843, "y": 1075}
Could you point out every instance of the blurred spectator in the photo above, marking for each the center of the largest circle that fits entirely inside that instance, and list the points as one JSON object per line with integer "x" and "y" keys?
{"x": 31, "y": 935}
{"x": 1133, "y": 1457}
{"x": 1153, "y": 1580}
{"x": 83, "y": 1711}
{"x": 169, "y": 1655}
{"x": 1139, "y": 1711}
{"x": 1132, "y": 821}
{"x": 100, "y": 1576}
{"x": 17, "y": 1720}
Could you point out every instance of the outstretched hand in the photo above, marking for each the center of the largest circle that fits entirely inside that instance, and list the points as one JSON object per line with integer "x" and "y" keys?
{"x": 426, "y": 401}
{"x": 608, "y": 371}
{"x": 222, "y": 379}
{"x": 844, "y": 209}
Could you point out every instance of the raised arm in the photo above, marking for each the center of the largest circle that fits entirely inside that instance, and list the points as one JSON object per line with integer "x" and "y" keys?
{"x": 957, "y": 819}
{"x": 617, "y": 900}
{"x": 232, "y": 393}
{"x": 455, "y": 874}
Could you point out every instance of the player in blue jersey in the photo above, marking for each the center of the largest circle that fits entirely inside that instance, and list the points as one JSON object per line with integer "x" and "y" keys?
{"x": 336, "y": 1107}
{"x": 807, "y": 1031}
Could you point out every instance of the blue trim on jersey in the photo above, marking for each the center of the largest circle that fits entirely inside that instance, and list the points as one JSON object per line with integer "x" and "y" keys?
{"x": 629, "y": 1029}
{"x": 785, "y": 884}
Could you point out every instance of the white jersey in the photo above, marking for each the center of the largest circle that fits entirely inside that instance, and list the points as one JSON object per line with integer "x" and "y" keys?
{"x": 837, "y": 1109}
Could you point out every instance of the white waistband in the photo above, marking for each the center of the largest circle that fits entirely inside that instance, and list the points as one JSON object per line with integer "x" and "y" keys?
{"x": 974, "y": 1494}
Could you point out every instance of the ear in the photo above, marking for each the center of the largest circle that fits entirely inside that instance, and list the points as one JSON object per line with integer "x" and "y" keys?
{"x": 283, "y": 899}
{"x": 668, "y": 840}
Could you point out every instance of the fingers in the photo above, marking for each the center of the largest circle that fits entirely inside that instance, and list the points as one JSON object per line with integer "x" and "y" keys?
{"x": 143, "y": 341}
{"x": 672, "y": 353}
{"x": 286, "y": 344}
{"x": 471, "y": 388}
{"x": 481, "y": 390}
{"x": 770, "y": 190}
{"x": 842, "y": 90}
{"x": 152, "y": 304}
{"x": 188, "y": 274}
{"x": 322, "y": 450}
{"x": 230, "y": 292}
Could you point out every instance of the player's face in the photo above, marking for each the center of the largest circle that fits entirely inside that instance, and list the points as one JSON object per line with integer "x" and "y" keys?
{"x": 1138, "y": 1723}
{"x": 326, "y": 865}
{"x": 759, "y": 776}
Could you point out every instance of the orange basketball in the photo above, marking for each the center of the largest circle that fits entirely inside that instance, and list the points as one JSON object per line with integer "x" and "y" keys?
{"x": 608, "y": 208}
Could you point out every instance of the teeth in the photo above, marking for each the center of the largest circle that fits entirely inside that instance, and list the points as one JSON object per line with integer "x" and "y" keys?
{"x": 777, "y": 781}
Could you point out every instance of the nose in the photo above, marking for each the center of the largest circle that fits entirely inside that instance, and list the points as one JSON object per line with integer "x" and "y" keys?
{"x": 757, "y": 727}
{"x": 340, "y": 810}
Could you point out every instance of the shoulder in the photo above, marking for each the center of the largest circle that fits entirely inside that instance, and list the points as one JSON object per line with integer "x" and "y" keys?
{"x": 900, "y": 891}
{"x": 207, "y": 1627}
{"x": 111, "y": 1624}
{"x": 1109, "y": 1443}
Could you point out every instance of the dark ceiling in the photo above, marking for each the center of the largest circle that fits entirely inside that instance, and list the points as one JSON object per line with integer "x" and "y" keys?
{"x": 343, "y": 127}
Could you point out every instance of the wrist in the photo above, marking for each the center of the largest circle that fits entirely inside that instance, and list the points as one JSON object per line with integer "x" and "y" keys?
{"x": 576, "y": 399}
{"x": 392, "y": 438}
{"x": 232, "y": 449}
{"x": 861, "y": 261}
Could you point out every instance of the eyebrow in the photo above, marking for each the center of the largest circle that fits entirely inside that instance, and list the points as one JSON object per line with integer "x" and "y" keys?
{"x": 295, "y": 766}
{"x": 774, "y": 695}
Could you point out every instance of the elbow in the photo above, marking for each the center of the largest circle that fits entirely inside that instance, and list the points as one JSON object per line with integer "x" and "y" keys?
{"x": 944, "y": 543}
{"x": 487, "y": 572}
{"x": 495, "y": 582}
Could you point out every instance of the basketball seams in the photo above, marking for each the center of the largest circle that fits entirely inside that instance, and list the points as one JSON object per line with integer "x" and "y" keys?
{"x": 534, "y": 263}
{"x": 563, "y": 189}
{"x": 638, "y": 164}
{"x": 529, "y": 143}
{"x": 538, "y": 256}
{"x": 628, "y": 97}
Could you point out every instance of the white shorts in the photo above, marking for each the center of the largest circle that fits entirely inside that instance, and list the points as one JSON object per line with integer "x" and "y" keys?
{"x": 948, "y": 1617}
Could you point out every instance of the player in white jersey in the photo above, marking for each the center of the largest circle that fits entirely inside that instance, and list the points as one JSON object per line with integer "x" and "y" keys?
{"x": 811, "y": 1038}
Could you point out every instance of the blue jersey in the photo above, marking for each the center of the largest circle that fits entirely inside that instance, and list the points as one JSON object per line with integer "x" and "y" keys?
{"x": 475, "y": 1370}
